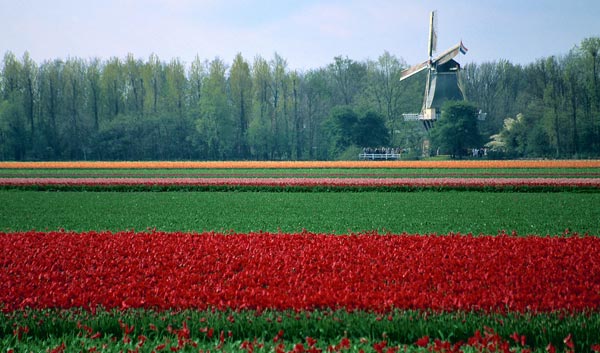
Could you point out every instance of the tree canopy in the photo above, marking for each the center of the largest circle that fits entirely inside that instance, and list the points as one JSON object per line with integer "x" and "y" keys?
{"x": 138, "y": 109}
{"x": 456, "y": 131}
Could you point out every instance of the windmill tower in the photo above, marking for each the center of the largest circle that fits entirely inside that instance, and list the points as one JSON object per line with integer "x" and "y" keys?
{"x": 442, "y": 77}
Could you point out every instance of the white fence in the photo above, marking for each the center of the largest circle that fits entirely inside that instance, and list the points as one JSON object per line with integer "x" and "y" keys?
{"x": 374, "y": 156}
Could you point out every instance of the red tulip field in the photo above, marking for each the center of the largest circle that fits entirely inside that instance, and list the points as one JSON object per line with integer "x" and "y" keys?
{"x": 306, "y": 271}
{"x": 147, "y": 261}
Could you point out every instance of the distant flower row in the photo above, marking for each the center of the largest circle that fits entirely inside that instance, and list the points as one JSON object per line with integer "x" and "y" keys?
{"x": 310, "y": 164}
{"x": 298, "y": 173}
{"x": 295, "y": 173}
{"x": 304, "y": 183}
{"x": 299, "y": 271}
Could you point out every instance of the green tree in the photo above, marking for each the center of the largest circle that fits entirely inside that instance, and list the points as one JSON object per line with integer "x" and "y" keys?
{"x": 259, "y": 137}
{"x": 93, "y": 77}
{"x": 384, "y": 85}
{"x": 349, "y": 78}
{"x": 554, "y": 99}
{"x": 215, "y": 125}
{"x": 75, "y": 126}
{"x": 134, "y": 85}
{"x": 298, "y": 118}
{"x": 52, "y": 87}
{"x": 590, "y": 48}
{"x": 280, "y": 91}
{"x": 345, "y": 129}
{"x": 494, "y": 88}
{"x": 13, "y": 116}
{"x": 262, "y": 125}
{"x": 456, "y": 131}
{"x": 317, "y": 105}
{"x": 512, "y": 139}
{"x": 113, "y": 88}
{"x": 29, "y": 83}
{"x": 240, "y": 83}
{"x": 13, "y": 131}
{"x": 370, "y": 131}
{"x": 341, "y": 129}
{"x": 175, "y": 88}
{"x": 154, "y": 73}
{"x": 574, "y": 88}
{"x": 521, "y": 137}
{"x": 197, "y": 76}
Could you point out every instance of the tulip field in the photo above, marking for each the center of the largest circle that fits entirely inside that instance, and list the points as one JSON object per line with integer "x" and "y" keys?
{"x": 427, "y": 256}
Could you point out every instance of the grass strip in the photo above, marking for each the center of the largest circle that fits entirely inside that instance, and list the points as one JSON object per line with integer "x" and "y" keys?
{"x": 419, "y": 212}
{"x": 300, "y": 188}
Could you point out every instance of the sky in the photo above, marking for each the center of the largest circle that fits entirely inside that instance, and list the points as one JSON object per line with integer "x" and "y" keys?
{"x": 307, "y": 34}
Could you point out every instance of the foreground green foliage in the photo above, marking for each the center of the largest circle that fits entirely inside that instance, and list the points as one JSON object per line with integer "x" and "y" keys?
{"x": 124, "y": 329}
{"x": 421, "y": 212}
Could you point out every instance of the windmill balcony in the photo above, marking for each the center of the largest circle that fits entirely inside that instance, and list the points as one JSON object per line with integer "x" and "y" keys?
{"x": 417, "y": 117}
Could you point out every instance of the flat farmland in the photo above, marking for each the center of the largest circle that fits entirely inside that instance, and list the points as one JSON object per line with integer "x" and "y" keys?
{"x": 467, "y": 256}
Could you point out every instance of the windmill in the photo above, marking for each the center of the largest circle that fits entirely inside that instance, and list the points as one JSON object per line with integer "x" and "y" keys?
{"x": 442, "y": 77}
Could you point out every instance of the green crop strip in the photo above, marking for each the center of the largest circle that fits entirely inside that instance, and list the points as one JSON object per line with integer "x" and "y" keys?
{"x": 302, "y": 188}
{"x": 51, "y": 327}
{"x": 419, "y": 212}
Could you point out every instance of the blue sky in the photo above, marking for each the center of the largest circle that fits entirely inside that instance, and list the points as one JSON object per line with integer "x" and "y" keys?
{"x": 308, "y": 34}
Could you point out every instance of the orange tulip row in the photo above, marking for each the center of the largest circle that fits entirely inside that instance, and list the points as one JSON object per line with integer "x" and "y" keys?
{"x": 483, "y": 164}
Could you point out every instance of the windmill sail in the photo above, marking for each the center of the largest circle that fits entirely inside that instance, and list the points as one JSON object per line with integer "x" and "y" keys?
{"x": 413, "y": 70}
{"x": 450, "y": 54}
{"x": 432, "y": 44}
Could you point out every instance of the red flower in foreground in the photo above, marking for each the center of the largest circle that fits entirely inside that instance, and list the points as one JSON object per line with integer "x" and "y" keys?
{"x": 569, "y": 343}
{"x": 423, "y": 341}
{"x": 58, "y": 349}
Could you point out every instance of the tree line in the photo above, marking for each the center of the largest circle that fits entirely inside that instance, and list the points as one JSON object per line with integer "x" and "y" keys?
{"x": 149, "y": 109}
{"x": 134, "y": 109}
{"x": 549, "y": 108}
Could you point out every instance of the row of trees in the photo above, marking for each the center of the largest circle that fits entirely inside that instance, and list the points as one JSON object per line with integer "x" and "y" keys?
{"x": 123, "y": 109}
{"x": 134, "y": 109}
{"x": 549, "y": 108}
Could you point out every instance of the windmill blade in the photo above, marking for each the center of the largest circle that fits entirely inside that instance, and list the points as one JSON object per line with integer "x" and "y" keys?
{"x": 414, "y": 70}
{"x": 450, "y": 54}
{"x": 432, "y": 43}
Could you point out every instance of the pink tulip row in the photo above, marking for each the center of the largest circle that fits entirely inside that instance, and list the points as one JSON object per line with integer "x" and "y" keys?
{"x": 593, "y": 183}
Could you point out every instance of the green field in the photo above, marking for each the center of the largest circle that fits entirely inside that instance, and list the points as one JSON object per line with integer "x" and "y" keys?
{"x": 417, "y": 212}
